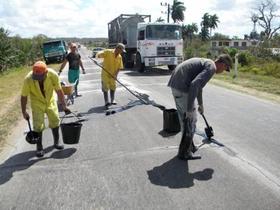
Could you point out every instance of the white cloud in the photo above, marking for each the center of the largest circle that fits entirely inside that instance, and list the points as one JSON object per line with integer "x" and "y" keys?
{"x": 89, "y": 18}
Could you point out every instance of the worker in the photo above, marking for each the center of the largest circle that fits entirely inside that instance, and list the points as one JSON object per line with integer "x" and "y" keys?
{"x": 39, "y": 85}
{"x": 75, "y": 62}
{"x": 112, "y": 63}
{"x": 187, "y": 82}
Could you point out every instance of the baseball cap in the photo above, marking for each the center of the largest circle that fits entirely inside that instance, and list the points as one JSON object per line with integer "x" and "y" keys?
{"x": 121, "y": 46}
{"x": 39, "y": 69}
{"x": 226, "y": 59}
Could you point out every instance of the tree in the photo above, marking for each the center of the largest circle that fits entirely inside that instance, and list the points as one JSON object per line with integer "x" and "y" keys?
{"x": 159, "y": 20}
{"x": 218, "y": 36}
{"x": 208, "y": 23}
{"x": 205, "y": 25}
{"x": 213, "y": 22}
{"x": 177, "y": 11}
{"x": 189, "y": 30}
{"x": 204, "y": 34}
{"x": 6, "y": 50}
{"x": 268, "y": 19}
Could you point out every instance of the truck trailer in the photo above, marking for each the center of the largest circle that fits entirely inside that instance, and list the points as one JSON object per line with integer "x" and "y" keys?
{"x": 147, "y": 44}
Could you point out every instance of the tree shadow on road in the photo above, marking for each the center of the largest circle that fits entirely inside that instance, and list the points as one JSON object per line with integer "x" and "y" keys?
{"x": 24, "y": 160}
{"x": 175, "y": 174}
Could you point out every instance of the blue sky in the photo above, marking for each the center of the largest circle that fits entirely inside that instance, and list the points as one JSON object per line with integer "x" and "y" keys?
{"x": 89, "y": 18}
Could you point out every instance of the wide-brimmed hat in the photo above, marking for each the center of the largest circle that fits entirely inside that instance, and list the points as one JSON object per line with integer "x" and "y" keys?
{"x": 39, "y": 69}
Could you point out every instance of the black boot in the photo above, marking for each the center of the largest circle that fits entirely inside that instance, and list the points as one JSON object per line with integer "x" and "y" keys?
{"x": 40, "y": 152}
{"x": 55, "y": 132}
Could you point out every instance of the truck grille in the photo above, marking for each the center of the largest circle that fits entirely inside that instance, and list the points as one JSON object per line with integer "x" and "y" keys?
{"x": 166, "y": 51}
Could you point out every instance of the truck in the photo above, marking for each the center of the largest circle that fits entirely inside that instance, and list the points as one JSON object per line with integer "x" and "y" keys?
{"x": 147, "y": 44}
{"x": 54, "y": 51}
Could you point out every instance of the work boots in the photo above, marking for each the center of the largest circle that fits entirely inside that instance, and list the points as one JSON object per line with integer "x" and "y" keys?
{"x": 40, "y": 152}
{"x": 55, "y": 132}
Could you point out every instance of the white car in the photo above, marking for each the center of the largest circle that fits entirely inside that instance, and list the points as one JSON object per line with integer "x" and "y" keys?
{"x": 96, "y": 50}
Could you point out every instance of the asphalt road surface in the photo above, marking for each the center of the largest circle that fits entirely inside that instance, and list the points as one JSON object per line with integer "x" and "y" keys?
{"x": 126, "y": 161}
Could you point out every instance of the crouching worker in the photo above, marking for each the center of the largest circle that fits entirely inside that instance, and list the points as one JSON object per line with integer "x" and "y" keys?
{"x": 40, "y": 85}
{"x": 187, "y": 82}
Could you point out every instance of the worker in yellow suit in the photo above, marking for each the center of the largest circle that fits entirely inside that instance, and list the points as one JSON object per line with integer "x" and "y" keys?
{"x": 40, "y": 84}
{"x": 113, "y": 64}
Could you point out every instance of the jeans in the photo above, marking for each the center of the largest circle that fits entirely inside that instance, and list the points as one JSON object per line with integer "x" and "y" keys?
{"x": 181, "y": 101}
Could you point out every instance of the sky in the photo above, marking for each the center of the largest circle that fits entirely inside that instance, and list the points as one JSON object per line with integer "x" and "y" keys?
{"x": 89, "y": 18}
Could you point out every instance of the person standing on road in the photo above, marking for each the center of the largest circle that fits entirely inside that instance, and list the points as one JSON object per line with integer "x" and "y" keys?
{"x": 75, "y": 62}
{"x": 187, "y": 82}
{"x": 113, "y": 64}
{"x": 40, "y": 84}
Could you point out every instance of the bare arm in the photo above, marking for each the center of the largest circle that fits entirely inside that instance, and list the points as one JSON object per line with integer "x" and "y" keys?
{"x": 81, "y": 64}
{"x": 23, "y": 103}
{"x": 62, "y": 65}
{"x": 60, "y": 96}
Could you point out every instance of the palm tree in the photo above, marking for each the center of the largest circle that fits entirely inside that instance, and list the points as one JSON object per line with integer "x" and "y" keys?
{"x": 204, "y": 34}
{"x": 189, "y": 30}
{"x": 177, "y": 11}
{"x": 213, "y": 22}
{"x": 159, "y": 20}
{"x": 205, "y": 23}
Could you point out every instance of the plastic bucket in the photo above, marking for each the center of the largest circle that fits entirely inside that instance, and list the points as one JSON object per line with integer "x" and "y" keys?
{"x": 71, "y": 132}
{"x": 171, "y": 122}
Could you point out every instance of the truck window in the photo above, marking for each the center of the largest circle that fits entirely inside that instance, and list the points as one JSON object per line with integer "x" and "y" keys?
{"x": 52, "y": 44}
{"x": 141, "y": 35}
{"x": 164, "y": 32}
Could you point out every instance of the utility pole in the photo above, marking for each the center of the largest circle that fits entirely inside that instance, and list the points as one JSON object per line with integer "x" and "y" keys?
{"x": 235, "y": 65}
{"x": 168, "y": 9}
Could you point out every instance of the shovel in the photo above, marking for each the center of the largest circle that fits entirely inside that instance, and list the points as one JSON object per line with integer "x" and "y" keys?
{"x": 208, "y": 130}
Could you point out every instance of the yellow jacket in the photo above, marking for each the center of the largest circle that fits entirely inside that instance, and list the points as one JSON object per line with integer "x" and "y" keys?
{"x": 111, "y": 63}
{"x": 31, "y": 88}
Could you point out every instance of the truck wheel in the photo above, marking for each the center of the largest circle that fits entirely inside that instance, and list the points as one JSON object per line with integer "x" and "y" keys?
{"x": 171, "y": 67}
{"x": 139, "y": 65}
{"x": 129, "y": 64}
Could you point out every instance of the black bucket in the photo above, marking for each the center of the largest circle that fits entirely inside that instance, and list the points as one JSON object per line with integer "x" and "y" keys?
{"x": 71, "y": 132}
{"x": 171, "y": 122}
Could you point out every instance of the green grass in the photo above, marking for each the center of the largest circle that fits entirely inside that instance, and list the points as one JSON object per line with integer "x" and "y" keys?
{"x": 262, "y": 86}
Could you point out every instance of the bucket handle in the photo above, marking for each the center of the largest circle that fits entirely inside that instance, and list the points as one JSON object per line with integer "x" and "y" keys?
{"x": 29, "y": 125}
{"x": 79, "y": 119}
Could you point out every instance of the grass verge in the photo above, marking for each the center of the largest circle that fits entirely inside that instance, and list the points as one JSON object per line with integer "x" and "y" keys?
{"x": 257, "y": 85}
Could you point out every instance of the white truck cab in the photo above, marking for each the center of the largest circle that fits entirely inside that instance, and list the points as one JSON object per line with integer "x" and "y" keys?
{"x": 159, "y": 44}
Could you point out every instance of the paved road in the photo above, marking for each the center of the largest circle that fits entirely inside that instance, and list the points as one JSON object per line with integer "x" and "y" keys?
{"x": 124, "y": 161}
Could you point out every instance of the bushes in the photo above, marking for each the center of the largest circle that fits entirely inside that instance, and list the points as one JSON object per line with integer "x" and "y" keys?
{"x": 266, "y": 69}
{"x": 16, "y": 51}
